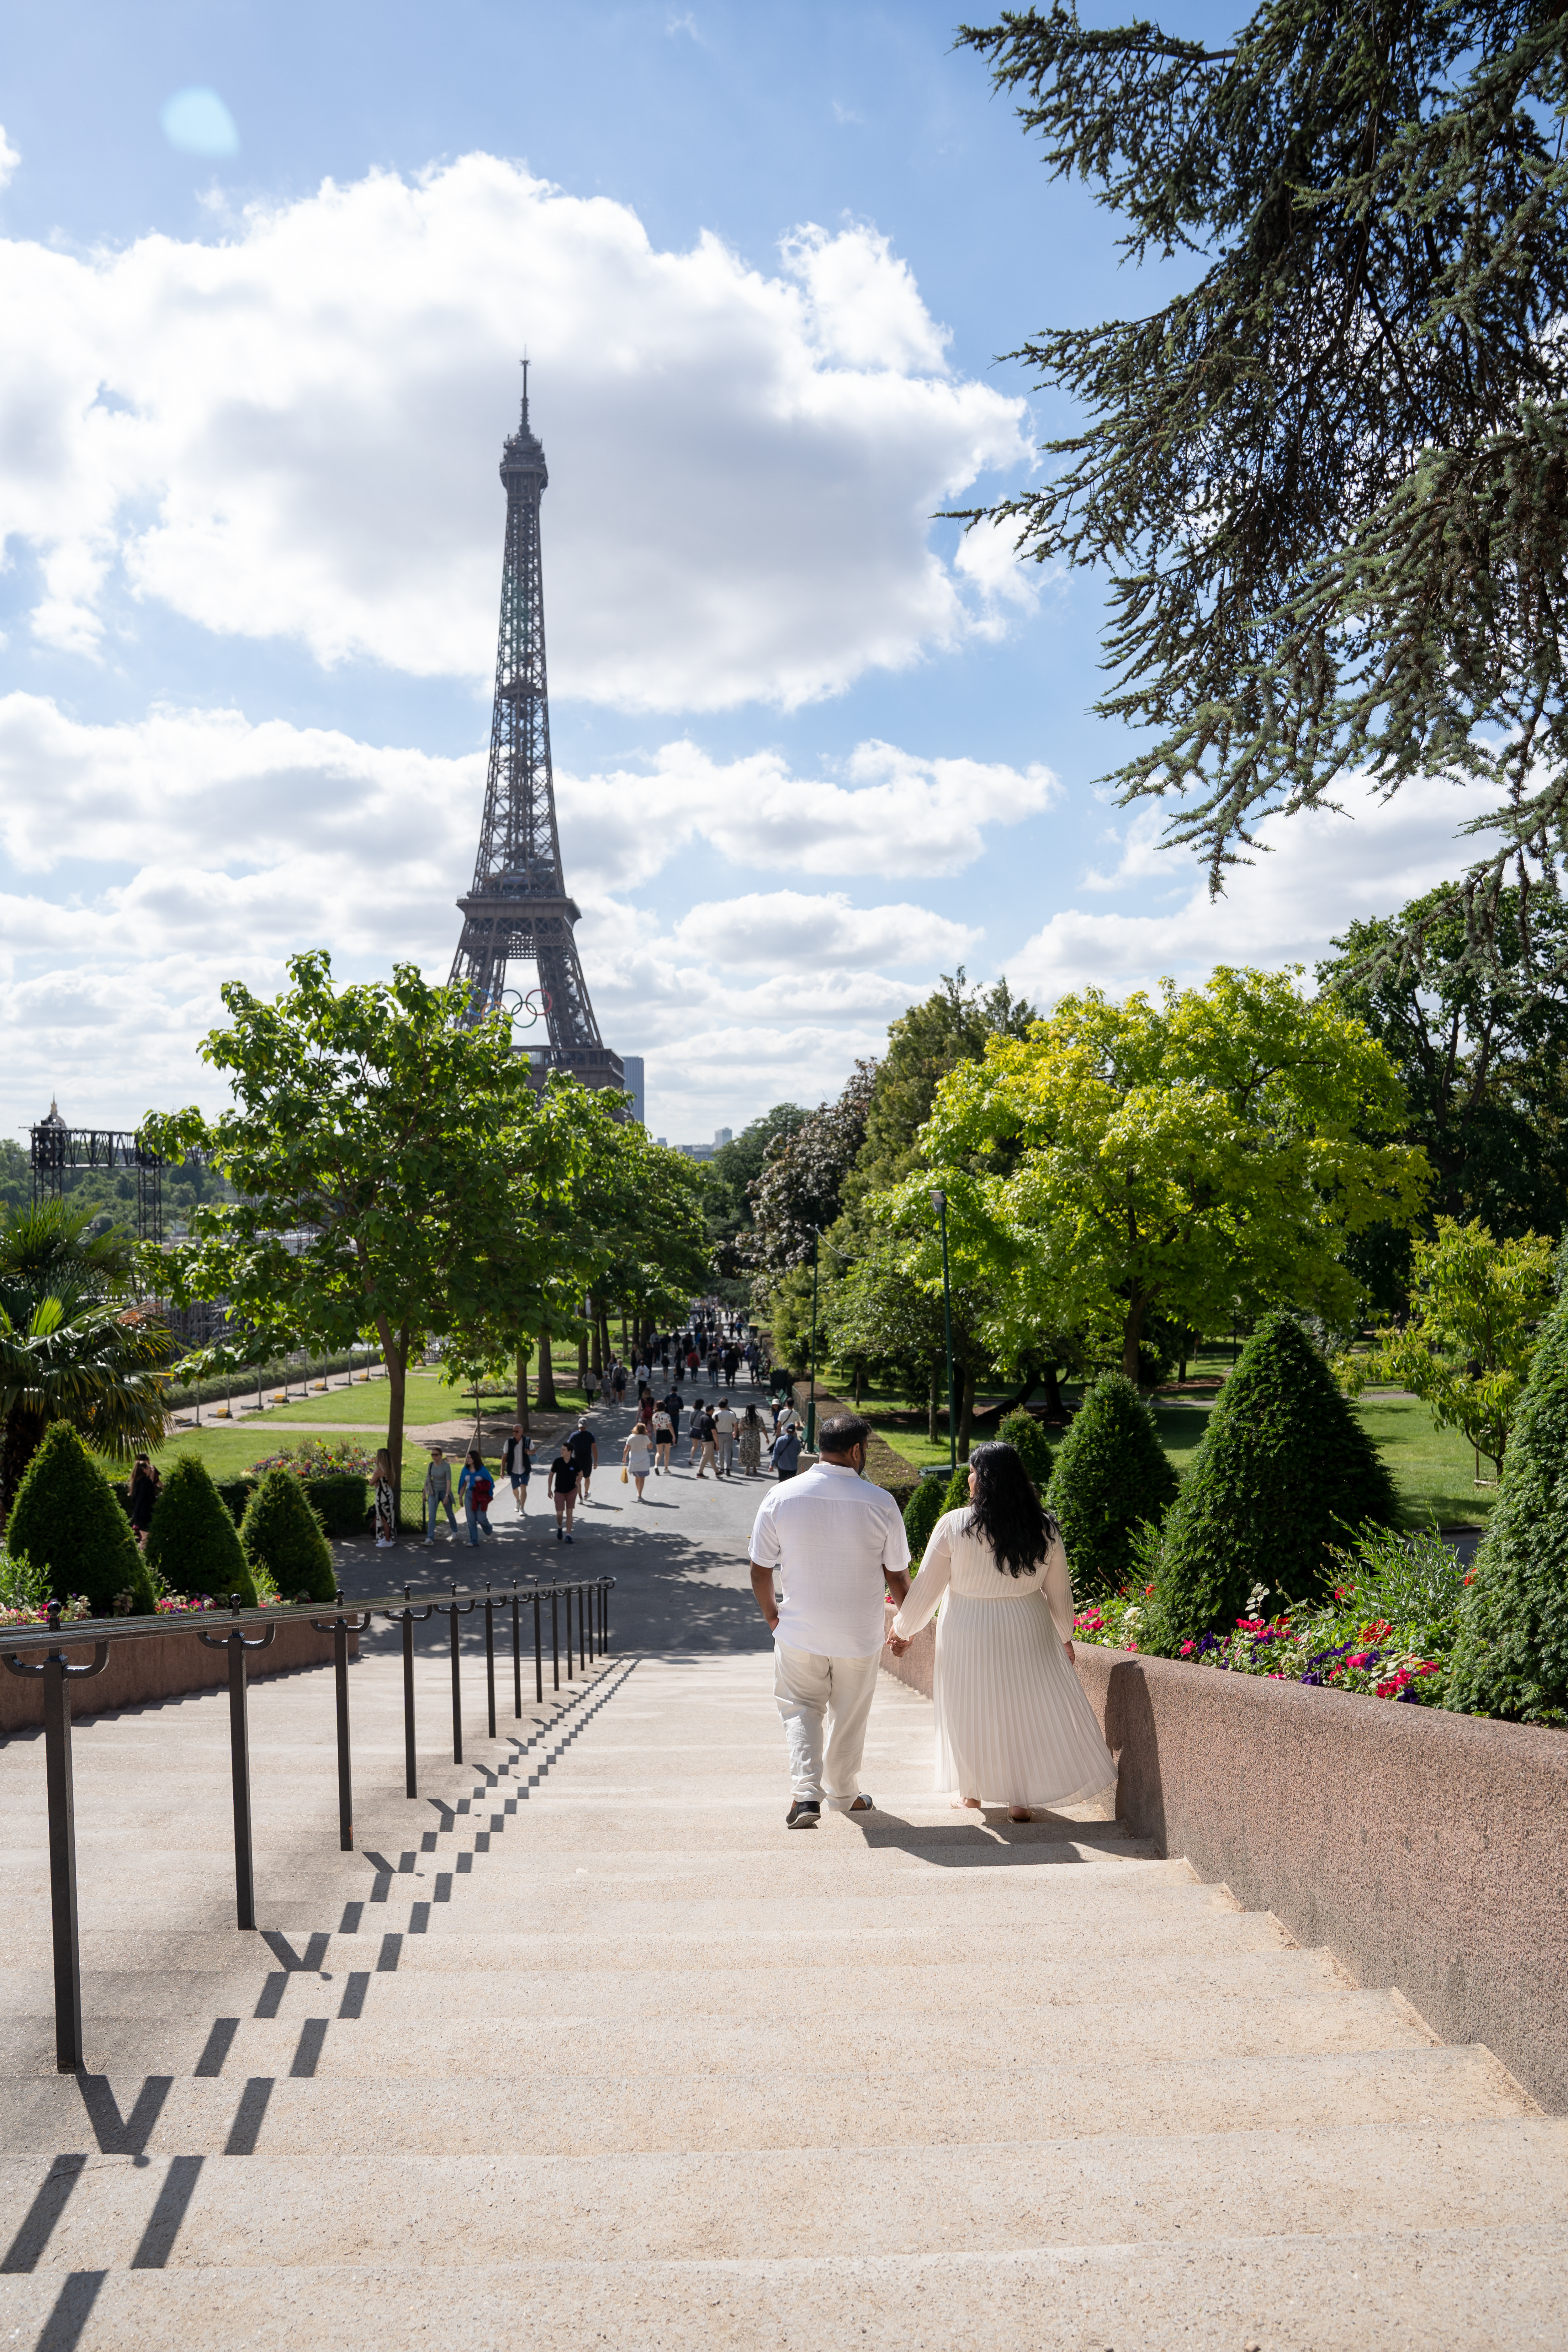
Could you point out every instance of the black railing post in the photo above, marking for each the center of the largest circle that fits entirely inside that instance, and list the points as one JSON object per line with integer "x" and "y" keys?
{"x": 491, "y": 1659}
{"x": 571, "y": 1641}
{"x": 516, "y": 1652}
{"x": 236, "y": 1645}
{"x": 538, "y": 1653}
{"x": 340, "y": 1633}
{"x": 457, "y": 1689}
{"x": 583, "y": 1627}
{"x": 61, "y": 1783}
{"x": 410, "y": 1782}
{"x": 606, "y": 1617}
{"x": 554, "y": 1643}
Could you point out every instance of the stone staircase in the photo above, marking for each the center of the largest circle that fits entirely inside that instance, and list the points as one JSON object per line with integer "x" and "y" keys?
{"x": 581, "y": 2049}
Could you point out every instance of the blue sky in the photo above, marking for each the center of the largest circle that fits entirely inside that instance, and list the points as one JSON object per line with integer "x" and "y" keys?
{"x": 811, "y": 749}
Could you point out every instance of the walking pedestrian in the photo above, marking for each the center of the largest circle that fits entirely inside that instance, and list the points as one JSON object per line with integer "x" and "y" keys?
{"x": 636, "y": 1456}
{"x": 618, "y": 1381}
{"x": 1012, "y": 1722}
{"x": 438, "y": 1494}
{"x": 784, "y": 1450}
{"x": 384, "y": 1498}
{"x": 703, "y": 1438}
{"x": 751, "y": 1441}
{"x": 837, "y": 1543}
{"x": 475, "y": 1488}
{"x": 563, "y": 1488}
{"x": 517, "y": 1464}
{"x": 725, "y": 1423}
{"x": 591, "y": 1385}
{"x": 585, "y": 1450}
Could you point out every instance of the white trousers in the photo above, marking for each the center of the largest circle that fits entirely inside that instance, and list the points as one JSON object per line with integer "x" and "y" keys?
{"x": 824, "y": 1701}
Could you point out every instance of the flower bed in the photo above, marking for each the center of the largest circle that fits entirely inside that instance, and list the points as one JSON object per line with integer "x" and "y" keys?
{"x": 1387, "y": 1631}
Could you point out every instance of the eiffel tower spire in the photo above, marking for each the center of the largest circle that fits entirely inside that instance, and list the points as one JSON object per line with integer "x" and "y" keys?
{"x": 518, "y": 910}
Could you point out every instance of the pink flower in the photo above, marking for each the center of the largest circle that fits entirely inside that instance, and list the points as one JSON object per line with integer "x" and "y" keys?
{"x": 1187, "y": 1649}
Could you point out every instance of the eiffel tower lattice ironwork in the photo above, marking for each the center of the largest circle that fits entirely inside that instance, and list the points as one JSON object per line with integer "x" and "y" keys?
{"x": 518, "y": 910}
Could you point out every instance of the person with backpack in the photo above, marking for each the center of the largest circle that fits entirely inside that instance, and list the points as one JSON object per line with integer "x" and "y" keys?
{"x": 475, "y": 1488}
{"x": 663, "y": 1439}
{"x": 438, "y": 1494}
{"x": 584, "y": 1448}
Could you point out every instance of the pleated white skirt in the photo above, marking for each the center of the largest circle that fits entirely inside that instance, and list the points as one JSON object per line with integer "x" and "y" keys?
{"x": 1013, "y": 1724}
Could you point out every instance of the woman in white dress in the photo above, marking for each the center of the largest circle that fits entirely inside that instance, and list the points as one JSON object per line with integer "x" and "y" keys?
{"x": 1013, "y": 1724}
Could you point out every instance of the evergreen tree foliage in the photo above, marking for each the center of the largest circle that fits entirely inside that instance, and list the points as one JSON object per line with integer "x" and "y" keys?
{"x": 1323, "y": 466}
{"x": 283, "y": 1540}
{"x": 921, "y": 1512}
{"x": 193, "y": 1545}
{"x": 1023, "y": 1433}
{"x": 1112, "y": 1474}
{"x": 68, "y": 1521}
{"x": 1284, "y": 1472}
{"x": 1512, "y": 1657}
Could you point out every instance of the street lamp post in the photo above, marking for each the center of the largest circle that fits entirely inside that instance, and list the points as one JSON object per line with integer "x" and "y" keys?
{"x": 939, "y": 1203}
{"x": 811, "y": 1400}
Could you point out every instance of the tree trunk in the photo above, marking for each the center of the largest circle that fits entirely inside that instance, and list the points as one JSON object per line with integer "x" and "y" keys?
{"x": 1054, "y": 1404}
{"x": 523, "y": 1388}
{"x": 583, "y": 1359}
{"x": 395, "y": 1348}
{"x": 601, "y": 1322}
{"x": 965, "y": 1412}
{"x": 931, "y": 1407}
{"x": 859, "y": 1379}
{"x": 544, "y": 1387}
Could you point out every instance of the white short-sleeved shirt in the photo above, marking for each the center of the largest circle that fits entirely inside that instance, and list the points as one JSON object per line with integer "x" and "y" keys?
{"x": 830, "y": 1534}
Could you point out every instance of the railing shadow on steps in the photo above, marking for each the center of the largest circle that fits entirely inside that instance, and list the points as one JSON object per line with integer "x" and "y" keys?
{"x": 44, "y": 1653}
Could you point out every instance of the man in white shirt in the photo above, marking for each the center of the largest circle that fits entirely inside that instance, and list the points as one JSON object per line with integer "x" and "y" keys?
{"x": 725, "y": 1423}
{"x": 838, "y": 1543}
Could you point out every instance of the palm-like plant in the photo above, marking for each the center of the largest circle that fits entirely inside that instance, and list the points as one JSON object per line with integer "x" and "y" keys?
{"x": 72, "y": 1347}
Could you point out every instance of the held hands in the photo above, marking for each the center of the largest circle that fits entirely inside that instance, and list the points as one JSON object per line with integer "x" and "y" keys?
{"x": 898, "y": 1644}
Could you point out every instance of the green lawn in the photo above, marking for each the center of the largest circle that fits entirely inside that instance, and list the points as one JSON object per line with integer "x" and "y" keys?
{"x": 428, "y": 1398}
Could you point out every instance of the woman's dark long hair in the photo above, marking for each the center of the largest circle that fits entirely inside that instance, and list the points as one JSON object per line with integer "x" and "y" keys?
{"x": 1007, "y": 1511}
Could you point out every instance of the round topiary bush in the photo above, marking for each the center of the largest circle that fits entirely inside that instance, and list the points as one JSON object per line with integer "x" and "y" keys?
{"x": 1283, "y": 1474}
{"x": 1511, "y": 1655}
{"x": 283, "y": 1539}
{"x": 1111, "y": 1474}
{"x": 1029, "y": 1441}
{"x": 193, "y": 1544}
{"x": 68, "y": 1521}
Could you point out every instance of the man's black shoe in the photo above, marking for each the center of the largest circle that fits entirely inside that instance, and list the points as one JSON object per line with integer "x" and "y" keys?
{"x": 803, "y": 1814}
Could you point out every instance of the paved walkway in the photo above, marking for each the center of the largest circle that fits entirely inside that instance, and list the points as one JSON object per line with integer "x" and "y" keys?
{"x": 582, "y": 2049}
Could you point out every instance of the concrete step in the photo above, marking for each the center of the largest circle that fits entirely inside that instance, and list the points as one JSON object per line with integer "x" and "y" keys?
{"x": 1449, "y": 2290}
{"x": 596, "y": 2113}
{"x": 721, "y": 2206}
{"x": 320, "y": 2039}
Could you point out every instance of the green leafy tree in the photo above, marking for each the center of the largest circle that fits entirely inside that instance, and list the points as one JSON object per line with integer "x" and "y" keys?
{"x": 1474, "y": 1307}
{"x": 72, "y": 1346}
{"x": 952, "y": 1025}
{"x": 68, "y": 1521}
{"x": 1326, "y": 476}
{"x": 1283, "y": 1474}
{"x": 282, "y": 1539}
{"x": 1111, "y": 1477}
{"x": 726, "y": 1180}
{"x": 389, "y": 1164}
{"x": 1174, "y": 1156}
{"x": 192, "y": 1545}
{"x": 1511, "y": 1656}
{"x": 1482, "y": 1056}
{"x": 798, "y": 1193}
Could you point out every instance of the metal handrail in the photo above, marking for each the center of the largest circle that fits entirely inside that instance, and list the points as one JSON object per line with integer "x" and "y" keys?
{"x": 47, "y": 1645}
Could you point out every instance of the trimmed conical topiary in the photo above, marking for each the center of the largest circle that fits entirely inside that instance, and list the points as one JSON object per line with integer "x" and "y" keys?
{"x": 1111, "y": 1474}
{"x": 68, "y": 1521}
{"x": 283, "y": 1540}
{"x": 921, "y": 1512}
{"x": 1511, "y": 1655}
{"x": 1284, "y": 1472}
{"x": 192, "y": 1543}
{"x": 1029, "y": 1441}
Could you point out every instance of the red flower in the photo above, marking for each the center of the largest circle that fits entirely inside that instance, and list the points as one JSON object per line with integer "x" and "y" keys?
{"x": 1187, "y": 1649}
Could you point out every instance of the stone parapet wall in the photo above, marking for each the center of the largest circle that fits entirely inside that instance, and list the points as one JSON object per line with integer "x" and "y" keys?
{"x": 164, "y": 1665}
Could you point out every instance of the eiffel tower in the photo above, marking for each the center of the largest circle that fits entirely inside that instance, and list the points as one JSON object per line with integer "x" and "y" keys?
{"x": 518, "y": 910}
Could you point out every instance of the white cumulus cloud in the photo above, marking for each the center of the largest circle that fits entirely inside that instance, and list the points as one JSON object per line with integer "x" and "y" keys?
{"x": 292, "y": 432}
{"x": 9, "y": 159}
{"x": 781, "y": 930}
